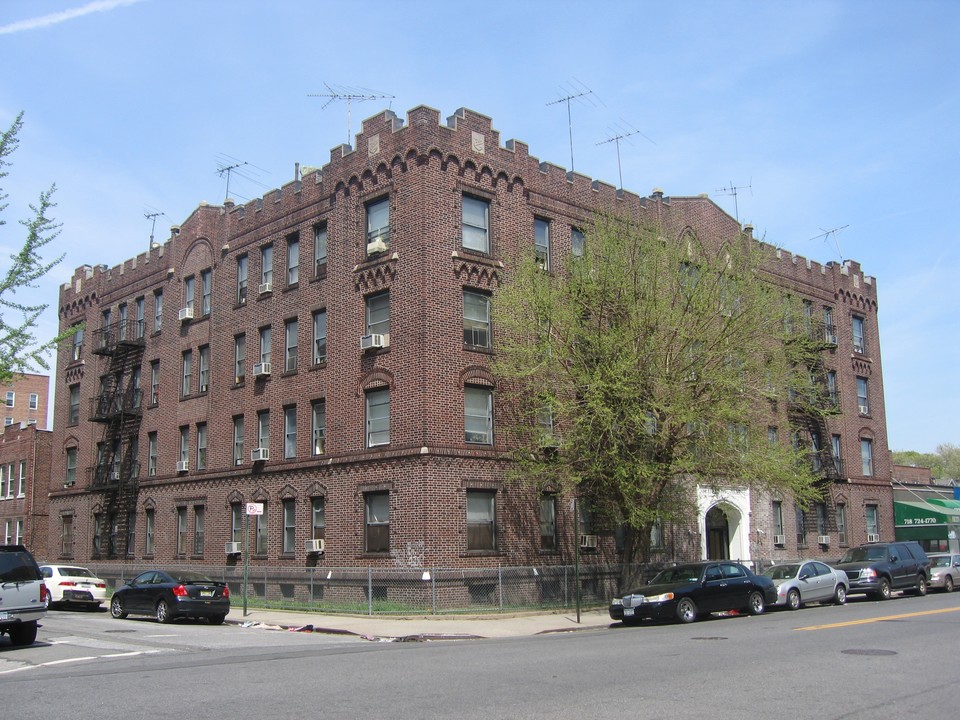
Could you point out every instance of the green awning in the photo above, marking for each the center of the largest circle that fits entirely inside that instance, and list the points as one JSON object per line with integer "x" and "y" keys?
{"x": 921, "y": 532}
{"x": 908, "y": 514}
{"x": 943, "y": 502}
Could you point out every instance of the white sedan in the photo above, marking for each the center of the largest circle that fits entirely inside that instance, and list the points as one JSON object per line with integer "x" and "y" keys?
{"x": 71, "y": 584}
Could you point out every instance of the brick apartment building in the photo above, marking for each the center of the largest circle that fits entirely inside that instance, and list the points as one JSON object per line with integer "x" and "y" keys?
{"x": 25, "y": 400}
{"x": 325, "y": 351}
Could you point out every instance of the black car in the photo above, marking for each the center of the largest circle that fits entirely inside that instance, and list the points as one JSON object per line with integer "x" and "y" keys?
{"x": 173, "y": 594}
{"x": 876, "y": 569}
{"x": 689, "y": 591}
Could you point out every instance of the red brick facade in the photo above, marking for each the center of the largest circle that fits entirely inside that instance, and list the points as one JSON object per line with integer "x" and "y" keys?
{"x": 24, "y": 474}
{"x": 25, "y": 400}
{"x": 424, "y": 169}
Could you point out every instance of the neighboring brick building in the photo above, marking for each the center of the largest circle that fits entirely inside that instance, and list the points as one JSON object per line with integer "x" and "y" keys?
{"x": 24, "y": 477}
{"x": 325, "y": 351}
{"x": 25, "y": 400}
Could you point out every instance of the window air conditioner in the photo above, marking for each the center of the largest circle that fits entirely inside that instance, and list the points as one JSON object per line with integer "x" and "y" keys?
{"x": 588, "y": 541}
{"x": 264, "y": 288}
{"x": 873, "y": 537}
{"x": 231, "y": 548}
{"x": 823, "y": 539}
{"x": 262, "y": 369}
{"x": 368, "y": 342}
{"x": 863, "y": 409}
{"x": 183, "y": 465}
{"x": 185, "y": 314}
{"x": 258, "y": 454}
{"x": 314, "y": 546}
{"x": 779, "y": 539}
{"x": 376, "y": 246}
{"x": 115, "y": 475}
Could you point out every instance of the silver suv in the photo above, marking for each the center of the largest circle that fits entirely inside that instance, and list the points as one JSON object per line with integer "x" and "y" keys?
{"x": 22, "y": 594}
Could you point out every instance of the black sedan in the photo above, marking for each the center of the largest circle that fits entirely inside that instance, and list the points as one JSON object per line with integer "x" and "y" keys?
{"x": 169, "y": 595}
{"x": 686, "y": 592}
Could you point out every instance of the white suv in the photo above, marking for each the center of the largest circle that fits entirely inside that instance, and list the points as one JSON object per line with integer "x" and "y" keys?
{"x": 22, "y": 594}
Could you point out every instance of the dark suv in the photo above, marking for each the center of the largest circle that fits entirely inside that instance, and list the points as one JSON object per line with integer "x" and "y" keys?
{"x": 878, "y": 568}
{"x": 22, "y": 594}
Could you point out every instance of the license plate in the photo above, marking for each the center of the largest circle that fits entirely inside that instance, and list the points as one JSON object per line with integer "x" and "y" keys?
{"x": 628, "y": 612}
{"x": 206, "y": 593}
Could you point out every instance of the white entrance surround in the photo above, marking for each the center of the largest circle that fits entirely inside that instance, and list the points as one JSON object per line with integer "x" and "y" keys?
{"x": 735, "y": 502}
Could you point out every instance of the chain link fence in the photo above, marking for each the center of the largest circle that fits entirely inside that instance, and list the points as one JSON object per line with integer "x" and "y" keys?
{"x": 396, "y": 591}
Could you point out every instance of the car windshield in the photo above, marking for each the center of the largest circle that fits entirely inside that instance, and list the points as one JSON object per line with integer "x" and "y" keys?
{"x": 782, "y": 572}
{"x": 76, "y": 572}
{"x": 941, "y": 561}
{"x": 682, "y": 573}
{"x": 186, "y": 577}
{"x": 862, "y": 554}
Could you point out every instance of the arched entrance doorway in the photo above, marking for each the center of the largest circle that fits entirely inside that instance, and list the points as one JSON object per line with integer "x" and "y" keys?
{"x": 718, "y": 534}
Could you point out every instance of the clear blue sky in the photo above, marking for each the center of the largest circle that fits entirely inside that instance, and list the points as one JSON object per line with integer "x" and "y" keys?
{"x": 825, "y": 114}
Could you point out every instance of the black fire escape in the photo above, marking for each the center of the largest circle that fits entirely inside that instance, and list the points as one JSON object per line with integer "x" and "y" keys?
{"x": 118, "y": 406}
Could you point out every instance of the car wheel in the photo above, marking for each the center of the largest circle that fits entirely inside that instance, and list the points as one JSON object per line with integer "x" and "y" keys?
{"x": 216, "y": 619}
{"x": 840, "y": 595}
{"x": 921, "y": 585}
{"x": 793, "y": 599}
{"x": 686, "y": 610}
{"x": 116, "y": 608}
{"x": 884, "y": 592}
{"x": 948, "y": 584}
{"x": 756, "y": 604}
{"x": 23, "y": 634}
{"x": 163, "y": 612}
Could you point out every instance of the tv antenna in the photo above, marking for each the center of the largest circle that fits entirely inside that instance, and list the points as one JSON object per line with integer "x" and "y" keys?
{"x": 576, "y": 90}
{"x": 226, "y": 170}
{"x": 622, "y": 131}
{"x": 230, "y": 166}
{"x": 826, "y": 238}
{"x": 732, "y": 189}
{"x": 152, "y": 217}
{"x": 342, "y": 93}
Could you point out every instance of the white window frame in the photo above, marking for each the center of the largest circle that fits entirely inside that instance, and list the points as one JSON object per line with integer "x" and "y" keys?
{"x": 290, "y": 432}
{"x": 478, "y": 415}
{"x": 377, "y": 404}
{"x": 475, "y": 227}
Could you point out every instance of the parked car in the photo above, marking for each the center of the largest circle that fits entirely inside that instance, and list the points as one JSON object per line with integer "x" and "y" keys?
{"x": 22, "y": 594}
{"x": 173, "y": 594}
{"x": 73, "y": 585}
{"x": 808, "y": 581}
{"x": 944, "y": 571}
{"x": 876, "y": 569}
{"x": 692, "y": 590}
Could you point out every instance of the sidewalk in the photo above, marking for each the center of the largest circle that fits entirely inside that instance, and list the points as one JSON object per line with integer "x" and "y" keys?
{"x": 425, "y": 627}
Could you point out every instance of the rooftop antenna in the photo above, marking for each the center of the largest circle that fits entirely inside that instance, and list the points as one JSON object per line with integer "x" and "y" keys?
{"x": 152, "y": 217}
{"x": 575, "y": 91}
{"x": 732, "y": 189}
{"x": 826, "y": 238}
{"x": 338, "y": 93}
{"x": 227, "y": 169}
{"x": 622, "y": 133}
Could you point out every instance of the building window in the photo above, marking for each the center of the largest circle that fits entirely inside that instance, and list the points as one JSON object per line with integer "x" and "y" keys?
{"x": 821, "y": 518}
{"x": 866, "y": 456}
{"x": 578, "y": 242}
{"x": 842, "y": 523}
{"x": 22, "y": 480}
{"x": 872, "y": 517}
{"x": 829, "y": 329}
{"x": 204, "y": 368}
{"x": 263, "y": 429}
{"x": 293, "y": 260}
{"x": 378, "y": 417}
{"x": 138, "y": 330}
{"x": 320, "y": 249}
{"x": 548, "y": 522}
{"x": 816, "y": 450}
{"x": 242, "y": 274}
{"x": 238, "y": 440}
{"x": 181, "y": 530}
{"x": 77, "y": 341}
{"x": 157, "y": 310}
{"x": 66, "y": 535}
{"x": 70, "y": 478}
{"x": 476, "y": 319}
{"x": 34, "y": 401}
{"x": 832, "y": 396}
{"x": 236, "y": 523}
{"x": 189, "y": 292}
{"x": 185, "y": 444}
{"x": 319, "y": 337}
{"x": 377, "y": 513}
{"x": 151, "y": 454}
{"x": 378, "y": 314}
{"x": 837, "y": 457}
{"x": 476, "y": 224}
{"x": 186, "y": 385}
{"x": 239, "y": 357}
{"x": 266, "y": 268}
{"x": 478, "y": 415}
{"x": 481, "y": 520}
{"x": 863, "y": 398}
{"x": 656, "y": 535}
{"x": 198, "y": 521}
{"x": 319, "y": 426}
{"x": 289, "y": 526}
{"x": 149, "y": 528}
{"x": 290, "y": 432}
{"x": 378, "y": 226}
{"x": 206, "y": 291}
{"x": 859, "y": 342}
{"x": 261, "y": 543}
{"x": 265, "y": 342}
{"x": 74, "y": 405}
{"x": 290, "y": 331}
{"x": 773, "y": 437}
{"x": 154, "y": 382}
{"x": 136, "y": 394}
{"x": 778, "y": 522}
{"x": 541, "y": 242}
{"x": 201, "y": 446}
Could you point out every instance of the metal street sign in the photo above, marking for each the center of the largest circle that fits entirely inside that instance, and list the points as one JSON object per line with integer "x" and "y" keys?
{"x": 254, "y": 508}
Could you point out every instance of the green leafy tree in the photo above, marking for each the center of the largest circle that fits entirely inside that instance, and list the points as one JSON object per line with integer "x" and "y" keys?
{"x": 949, "y": 455}
{"x": 20, "y": 351}
{"x": 944, "y": 464}
{"x": 647, "y": 366}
